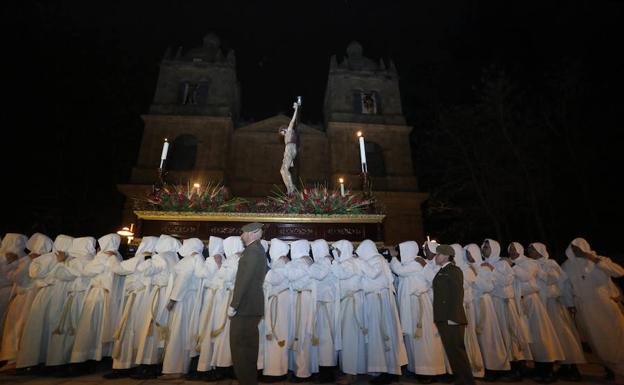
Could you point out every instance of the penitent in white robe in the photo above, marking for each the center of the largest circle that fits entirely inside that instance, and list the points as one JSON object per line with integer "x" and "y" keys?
{"x": 487, "y": 329}
{"x": 23, "y": 294}
{"x": 43, "y": 313}
{"x": 385, "y": 350}
{"x": 133, "y": 310}
{"x": 595, "y": 298}
{"x": 302, "y": 309}
{"x": 12, "y": 243}
{"x": 185, "y": 286}
{"x": 470, "y": 334}
{"x": 422, "y": 341}
{"x": 160, "y": 270}
{"x": 351, "y": 336}
{"x": 277, "y": 334}
{"x": 94, "y": 333}
{"x": 545, "y": 345}
{"x": 207, "y": 272}
{"x": 513, "y": 325}
{"x": 327, "y": 307}
{"x": 70, "y": 271}
{"x": 225, "y": 278}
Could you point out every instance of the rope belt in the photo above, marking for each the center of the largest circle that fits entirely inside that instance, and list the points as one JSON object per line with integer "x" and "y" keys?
{"x": 218, "y": 330}
{"x": 273, "y": 304}
{"x": 351, "y": 295}
{"x": 323, "y": 304}
{"x": 482, "y": 313}
{"x": 418, "y": 330}
{"x": 295, "y": 344}
{"x": 200, "y": 337}
{"x": 382, "y": 324}
{"x": 64, "y": 316}
{"x": 124, "y": 322}
{"x": 163, "y": 331}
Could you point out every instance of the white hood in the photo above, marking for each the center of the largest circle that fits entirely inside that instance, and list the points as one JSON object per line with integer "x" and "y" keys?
{"x": 320, "y": 249}
{"x": 299, "y": 249}
{"x": 432, "y": 246}
{"x": 496, "y": 249}
{"x": 109, "y": 242}
{"x": 541, "y": 249}
{"x": 232, "y": 245}
{"x": 278, "y": 249}
{"x": 215, "y": 246}
{"x": 460, "y": 258}
{"x": 83, "y": 247}
{"x": 147, "y": 246}
{"x": 191, "y": 247}
{"x": 409, "y": 251}
{"x": 167, "y": 244}
{"x": 39, "y": 244}
{"x": 475, "y": 252}
{"x": 14, "y": 243}
{"x": 62, "y": 243}
{"x": 346, "y": 249}
{"x": 367, "y": 250}
{"x": 582, "y": 244}
{"x": 518, "y": 246}
{"x": 265, "y": 245}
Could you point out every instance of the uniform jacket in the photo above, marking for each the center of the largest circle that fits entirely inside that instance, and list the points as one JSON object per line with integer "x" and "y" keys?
{"x": 448, "y": 295}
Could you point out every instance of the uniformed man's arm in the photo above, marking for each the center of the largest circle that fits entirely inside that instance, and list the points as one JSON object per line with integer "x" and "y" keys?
{"x": 246, "y": 268}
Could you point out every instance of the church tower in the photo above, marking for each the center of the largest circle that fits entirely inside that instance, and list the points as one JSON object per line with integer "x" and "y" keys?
{"x": 196, "y": 103}
{"x": 363, "y": 95}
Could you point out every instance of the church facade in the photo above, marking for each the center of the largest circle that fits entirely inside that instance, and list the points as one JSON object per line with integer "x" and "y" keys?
{"x": 196, "y": 107}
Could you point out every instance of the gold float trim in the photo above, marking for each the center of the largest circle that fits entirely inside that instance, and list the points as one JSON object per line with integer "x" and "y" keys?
{"x": 259, "y": 217}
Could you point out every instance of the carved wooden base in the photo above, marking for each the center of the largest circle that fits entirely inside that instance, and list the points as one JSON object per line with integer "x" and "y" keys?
{"x": 285, "y": 227}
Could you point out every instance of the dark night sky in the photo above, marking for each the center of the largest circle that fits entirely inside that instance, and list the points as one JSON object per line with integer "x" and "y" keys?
{"x": 78, "y": 75}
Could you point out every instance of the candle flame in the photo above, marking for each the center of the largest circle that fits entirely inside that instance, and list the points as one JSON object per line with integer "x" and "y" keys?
{"x": 359, "y": 133}
{"x": 340, "y": 180}
{"x": 165, "y": 139}
{"x": 196, "y": 185}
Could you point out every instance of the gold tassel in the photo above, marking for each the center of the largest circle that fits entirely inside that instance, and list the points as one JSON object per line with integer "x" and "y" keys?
{"x": 315, "y": 341}
{"x": 269, "y": 337}
{"x": 295, "y": 344}
{"x": 281, "y": 343}
{"x": 418, "y": 331}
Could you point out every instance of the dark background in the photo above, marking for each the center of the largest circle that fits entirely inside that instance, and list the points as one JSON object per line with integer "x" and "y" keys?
{"x": 516, "y": 105}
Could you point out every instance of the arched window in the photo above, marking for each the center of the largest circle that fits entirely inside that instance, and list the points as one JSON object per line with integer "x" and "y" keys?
{"x": 183, "y": 153}
{"x": 375, "y": 160}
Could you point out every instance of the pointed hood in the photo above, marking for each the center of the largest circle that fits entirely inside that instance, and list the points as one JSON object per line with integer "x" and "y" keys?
{"x": 265, "y": 245}
{"x": 367, "y": 250}
{"x": 109, "y": 242}
{"x": 278, "y": 249}
{"x": 167, "y": 244}
{"x": 14, "y": 243}
{"x": 39, "y": 244}
{"x": 541, "y": 250}
{"x": 475, "y": 253}
{"x": 190, "y": 247}
{"x": 496, "y": 249}
{"x": 409, "y": 251}
{"x": 62, "y": 243}
{"x": 320, "y": 249}
{"x": 232, "y": 245}
{"x": 83, "y": 247}
{"x": 147, "y": 246}
{"x": 215, "y": 246}
{"x": 299, "y": 249}
{"x": 460, "y": 258}
{"x": 432, "y": 246}
{"x": 582, "y": 244}
{"x": 346, "y": 249}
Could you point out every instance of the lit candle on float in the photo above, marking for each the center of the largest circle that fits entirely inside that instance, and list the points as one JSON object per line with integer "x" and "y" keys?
{"x": 362, "y": 151}
{"x": 165, "y": 150}
{"x": 196, "y": 187}
{"x": 342, "y": 191}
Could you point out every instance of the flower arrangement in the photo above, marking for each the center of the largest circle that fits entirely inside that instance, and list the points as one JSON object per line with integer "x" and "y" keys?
{"x": 216, "y": 198}
{"x": 210, "y": 198}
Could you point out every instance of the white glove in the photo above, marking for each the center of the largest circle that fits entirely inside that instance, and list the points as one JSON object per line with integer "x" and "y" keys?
{"x": 231, "y": 312}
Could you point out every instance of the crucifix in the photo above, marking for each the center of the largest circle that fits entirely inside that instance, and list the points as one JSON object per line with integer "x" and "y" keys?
{"x": 290, "y": 147}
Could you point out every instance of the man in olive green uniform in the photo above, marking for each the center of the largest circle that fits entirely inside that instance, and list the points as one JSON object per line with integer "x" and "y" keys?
{"x": 247, "y": 306}
{"x": 449, "y": 315}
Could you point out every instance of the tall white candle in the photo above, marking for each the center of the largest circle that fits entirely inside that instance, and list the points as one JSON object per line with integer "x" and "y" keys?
{"x": 163, "y": 155}
{"x": 362, "y": 152}
{"x": 342, "y": 192}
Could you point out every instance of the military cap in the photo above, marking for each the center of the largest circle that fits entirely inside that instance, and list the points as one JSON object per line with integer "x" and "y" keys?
{"x": 251, "y": 227}
{"x": 446, "y": 250}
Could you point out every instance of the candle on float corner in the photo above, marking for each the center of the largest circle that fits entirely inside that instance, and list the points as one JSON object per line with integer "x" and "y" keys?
{"x": 362, "y": 151}
{"x": 428, "y": 240}
{"x": 342, "y": 191}
{"x": 165, "y": 150}
{"x": 197, "y": 186}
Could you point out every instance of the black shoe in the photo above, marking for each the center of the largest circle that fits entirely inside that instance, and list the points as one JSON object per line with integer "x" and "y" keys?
{"x": 445, "y": 378}
{"x": 489, "y": 377}
{"x": 297, "y": 380}
{"x": 60, "y": 371}
{"x": 424, "y": 379}
{"x": 509, "y": 377}
{"x": 574, "y": 375}
{"x": 117, "y": 373}
{"x": 609, "y": 376}
{"x": 272, "y": 379}
{"x": 383, "y": 378}
{"x": 546, "y": 379}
